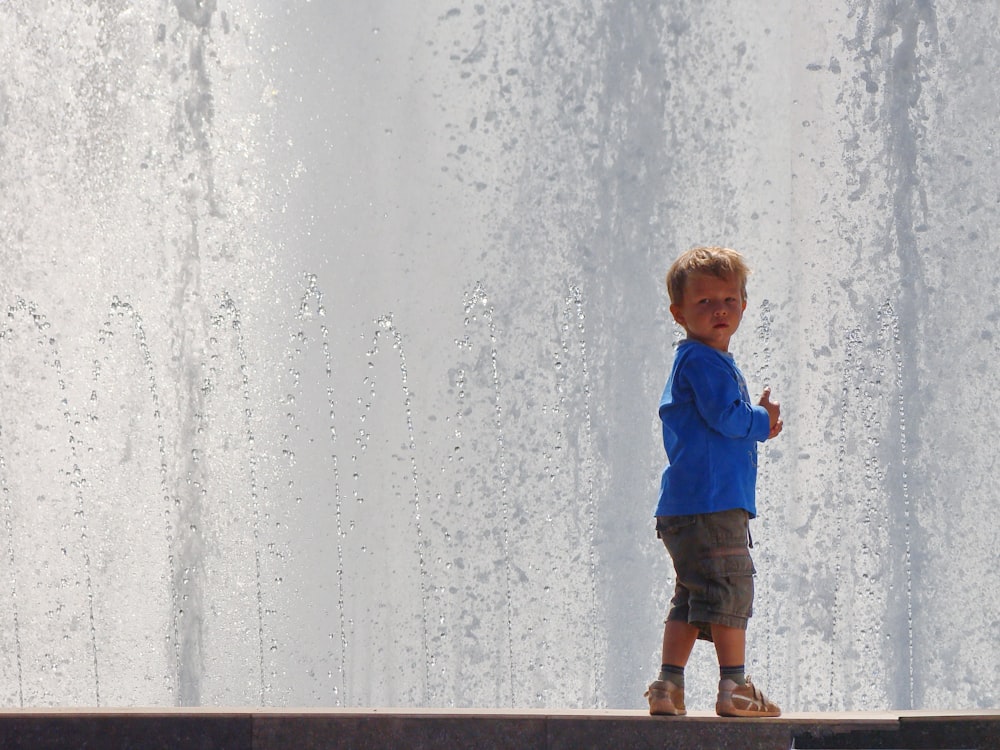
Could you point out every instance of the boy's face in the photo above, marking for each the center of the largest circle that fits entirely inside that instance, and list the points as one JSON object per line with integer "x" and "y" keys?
{"x": 711, "y": 310}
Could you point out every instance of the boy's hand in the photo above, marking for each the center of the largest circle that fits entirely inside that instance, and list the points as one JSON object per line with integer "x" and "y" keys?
{"x": 773, "y": 412}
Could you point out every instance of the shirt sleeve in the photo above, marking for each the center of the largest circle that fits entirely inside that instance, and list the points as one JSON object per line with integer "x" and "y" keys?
{"x": 721, "y": 403}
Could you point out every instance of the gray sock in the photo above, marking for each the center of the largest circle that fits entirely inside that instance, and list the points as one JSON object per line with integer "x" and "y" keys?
{"x": 672, "y": 673}
{"x": 735, "y": 674}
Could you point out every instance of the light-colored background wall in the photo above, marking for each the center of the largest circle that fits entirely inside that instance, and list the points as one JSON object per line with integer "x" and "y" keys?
{"x": 335, "y": 333}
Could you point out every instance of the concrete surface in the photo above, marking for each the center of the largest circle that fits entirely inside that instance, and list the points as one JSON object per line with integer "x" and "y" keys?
{"x": 364, "y": 729}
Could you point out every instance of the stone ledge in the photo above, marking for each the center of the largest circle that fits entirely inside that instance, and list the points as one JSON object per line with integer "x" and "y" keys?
{"x": 416, "y": 729}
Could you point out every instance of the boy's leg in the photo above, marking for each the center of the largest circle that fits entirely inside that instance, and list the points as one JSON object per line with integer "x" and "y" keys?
{"x": 730, "y": 645}
{"x": 737, "y": 695}
{"x": 678, "y": 642}
{"x": 666, "y": 693}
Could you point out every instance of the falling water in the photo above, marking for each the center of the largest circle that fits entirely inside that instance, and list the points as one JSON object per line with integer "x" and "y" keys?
{"x": 124, "y": 356}
{"x": 310, "y": 310}
{"x": 335, "y": 333}
{"x": 15, "y": 628}
{"x": 476, "y": 304}
{"x": 52, "y": 533}
{"x": 229, "y": 318}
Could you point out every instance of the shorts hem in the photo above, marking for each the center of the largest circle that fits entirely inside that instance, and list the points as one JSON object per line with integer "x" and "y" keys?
{"x": 705, "y": 620}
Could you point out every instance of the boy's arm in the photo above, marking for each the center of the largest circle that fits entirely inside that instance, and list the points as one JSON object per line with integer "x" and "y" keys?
{"x": 721, "y": 403}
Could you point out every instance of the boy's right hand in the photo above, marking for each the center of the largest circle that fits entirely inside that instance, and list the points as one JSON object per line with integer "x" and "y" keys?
{"x": 773, "y": 412}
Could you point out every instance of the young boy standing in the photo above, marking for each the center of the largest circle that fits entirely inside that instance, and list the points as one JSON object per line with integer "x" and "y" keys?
{"x": 707, "y": 492}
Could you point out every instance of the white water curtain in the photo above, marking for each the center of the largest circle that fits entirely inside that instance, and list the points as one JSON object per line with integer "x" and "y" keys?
{"x": 335, "y": 333}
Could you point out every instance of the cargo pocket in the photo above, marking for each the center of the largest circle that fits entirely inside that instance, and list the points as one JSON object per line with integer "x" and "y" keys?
{"x": 730, "y": 584}
{"x": 673, "y": 525}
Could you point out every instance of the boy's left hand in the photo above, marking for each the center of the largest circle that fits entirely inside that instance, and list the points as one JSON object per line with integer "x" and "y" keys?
{"x": 773, "y": 411}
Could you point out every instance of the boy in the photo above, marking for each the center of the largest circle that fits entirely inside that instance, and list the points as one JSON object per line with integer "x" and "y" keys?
{"x": 707, "y": 497}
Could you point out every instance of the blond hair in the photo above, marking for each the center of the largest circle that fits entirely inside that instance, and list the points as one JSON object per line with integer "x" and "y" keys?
{"x": 713, "y": 261}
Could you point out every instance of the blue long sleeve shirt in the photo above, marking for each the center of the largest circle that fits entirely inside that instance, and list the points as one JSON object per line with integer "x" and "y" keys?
{"x": 710, "y": 433}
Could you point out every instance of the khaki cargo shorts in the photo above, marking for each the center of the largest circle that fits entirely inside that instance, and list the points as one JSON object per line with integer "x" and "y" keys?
{"x": 711, "y": 557}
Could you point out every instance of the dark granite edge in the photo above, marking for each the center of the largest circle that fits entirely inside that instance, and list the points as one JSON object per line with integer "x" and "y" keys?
{"x": 308, "y": 729}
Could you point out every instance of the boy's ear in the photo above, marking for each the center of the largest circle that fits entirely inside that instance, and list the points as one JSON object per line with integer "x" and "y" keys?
{"x": 675, "y": 310}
